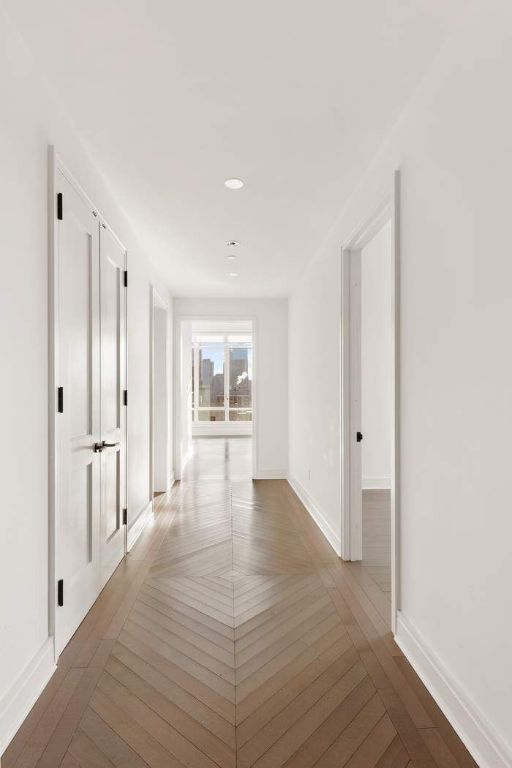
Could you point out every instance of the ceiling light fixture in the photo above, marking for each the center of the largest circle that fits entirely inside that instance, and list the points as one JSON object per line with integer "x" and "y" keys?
{"x": 232, "y": 274}
{"x": 234, "y": 183}
{"x": 232, "y": 243}
{"x": 231, "y": 256}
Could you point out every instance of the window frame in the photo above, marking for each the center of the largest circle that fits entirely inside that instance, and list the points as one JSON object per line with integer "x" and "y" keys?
{"x": 227, "y": 345}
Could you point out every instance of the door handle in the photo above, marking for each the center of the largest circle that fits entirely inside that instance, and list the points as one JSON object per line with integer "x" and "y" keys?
{"x": 98, "y": 447}
{"x": 359, "y": 436}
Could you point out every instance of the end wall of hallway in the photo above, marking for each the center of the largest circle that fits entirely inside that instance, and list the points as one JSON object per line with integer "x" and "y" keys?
{"x": 271, "y": 371}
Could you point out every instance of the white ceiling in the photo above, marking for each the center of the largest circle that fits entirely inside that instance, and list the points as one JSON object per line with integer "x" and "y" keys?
{"x": 174, "y": 96}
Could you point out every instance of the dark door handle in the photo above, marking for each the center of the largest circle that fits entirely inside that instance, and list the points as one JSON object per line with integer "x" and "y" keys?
{"x": 98, "y": 447}
{"x": 359, "y": 436}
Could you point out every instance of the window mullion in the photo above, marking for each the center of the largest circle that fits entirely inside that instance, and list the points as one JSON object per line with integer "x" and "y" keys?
{"x": 226, "y": 382}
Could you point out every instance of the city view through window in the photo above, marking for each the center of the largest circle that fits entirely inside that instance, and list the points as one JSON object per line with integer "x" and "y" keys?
{"x": 222, "y": 378}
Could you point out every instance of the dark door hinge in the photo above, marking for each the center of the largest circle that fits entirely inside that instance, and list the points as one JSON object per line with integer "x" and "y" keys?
{"x": 60, "y": 593}
{"x": 125, "y": 516}
{"x": 59, "y": 205}
{"x": 125, "y": 278}
{"x": 60, "y": 399}
{"x": 359, "y": 436}
{"x": 125, "y": 397}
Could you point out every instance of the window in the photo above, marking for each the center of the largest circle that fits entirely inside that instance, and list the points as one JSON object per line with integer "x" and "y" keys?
{"x": 222, "y": 377}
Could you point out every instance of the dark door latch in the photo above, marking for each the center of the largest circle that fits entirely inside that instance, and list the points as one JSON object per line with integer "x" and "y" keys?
{"x": 98, "y": 447}
{"x": 359, "y": 436}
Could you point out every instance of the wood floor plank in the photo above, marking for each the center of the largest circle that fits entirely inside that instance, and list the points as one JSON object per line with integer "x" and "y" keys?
{"x": 107, "y": 742}
{"x": 177, "y": 695}
{"x": 186, "y": 725}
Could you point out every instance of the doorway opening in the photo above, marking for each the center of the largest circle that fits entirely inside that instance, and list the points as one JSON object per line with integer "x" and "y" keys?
{"x": 217, "y": 399}
{"x": 370, "y": 406}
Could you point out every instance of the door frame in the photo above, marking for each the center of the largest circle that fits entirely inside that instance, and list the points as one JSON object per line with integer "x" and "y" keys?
{"x": 55, "y": 165}
{"x": 156, "y": 302}
{"x": 350, "y": 475}
{"x": 178, "y": 398}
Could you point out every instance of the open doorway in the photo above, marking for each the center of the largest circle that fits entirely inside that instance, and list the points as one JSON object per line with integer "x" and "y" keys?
{"x": 217, "y": 399}
{"x": 370, "y": 366}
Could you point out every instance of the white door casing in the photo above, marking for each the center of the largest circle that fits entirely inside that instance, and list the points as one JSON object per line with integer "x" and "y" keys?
{"x": 356, "y": 458}
{"x": 351, "y": 455}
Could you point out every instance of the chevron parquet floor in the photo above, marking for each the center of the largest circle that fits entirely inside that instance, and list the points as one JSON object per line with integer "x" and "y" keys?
{"x": 232, "y": 636}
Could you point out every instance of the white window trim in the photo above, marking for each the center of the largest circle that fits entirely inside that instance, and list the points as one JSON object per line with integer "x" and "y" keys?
{"x": 196, "y": 407}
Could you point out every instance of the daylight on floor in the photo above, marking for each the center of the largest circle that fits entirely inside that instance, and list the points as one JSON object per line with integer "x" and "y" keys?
{"x": 256, "y": 394}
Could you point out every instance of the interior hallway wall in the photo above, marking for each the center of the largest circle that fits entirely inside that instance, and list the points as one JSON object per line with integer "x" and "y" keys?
{"x": 271, "y": 379}
{"x": 452, "y": 145}
{"x": 31, "y": 120}
{"x": 376, "y": 359}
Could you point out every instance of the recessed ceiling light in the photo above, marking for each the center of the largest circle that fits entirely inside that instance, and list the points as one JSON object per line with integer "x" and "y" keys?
{"x": 231, "y": 256}
{"x": 234, "y": 183}
{"x": 232, "y": 274}
{"x": 232, "y": 243}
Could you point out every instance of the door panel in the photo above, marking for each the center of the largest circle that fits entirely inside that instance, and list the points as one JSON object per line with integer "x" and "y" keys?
{"x": 78, "y": 427}
{"x": 113, "y": 412}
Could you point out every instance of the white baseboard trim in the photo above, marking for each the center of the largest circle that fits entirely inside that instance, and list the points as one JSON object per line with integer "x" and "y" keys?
{"x": 270, "y": 474}
{"x": 21, "y": 697}
{"x": 135, "y": 530}
{"x": 183, "y": 463}
{"x": 169, "y": 484}
{"x": 376, "y": 483}
{"x": 485, "y": 745}
{"x": 318, "y": 515}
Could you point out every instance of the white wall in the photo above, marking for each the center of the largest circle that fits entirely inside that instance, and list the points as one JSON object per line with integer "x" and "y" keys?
{"x": 271, "y": 370}
{"x": 31, "y": 119}
{"x": 453, "y": 147}
{"x": 376, "y": 359}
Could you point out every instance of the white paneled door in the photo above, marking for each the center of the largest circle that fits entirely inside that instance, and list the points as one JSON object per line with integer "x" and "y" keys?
{"x": 112, "y": 412}
{"x": 90, "y": 427}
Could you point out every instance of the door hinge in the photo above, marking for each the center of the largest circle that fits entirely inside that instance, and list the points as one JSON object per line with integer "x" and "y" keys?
{"x": 359, "y": 436}
{"x": 125, "y": 517}
{"x": 59, "y": 205}
{"x": 60, "y": 593}
{"x": 60, "y": 399}
{"x": 125, "y": 278}
{"x": 125, "y": 397}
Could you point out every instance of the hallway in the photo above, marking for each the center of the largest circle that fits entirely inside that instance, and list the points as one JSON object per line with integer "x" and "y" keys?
{"x": 233, "y": 636}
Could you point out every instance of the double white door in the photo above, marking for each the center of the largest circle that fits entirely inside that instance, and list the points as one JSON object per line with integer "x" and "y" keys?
{"x": 90, "y": 354}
